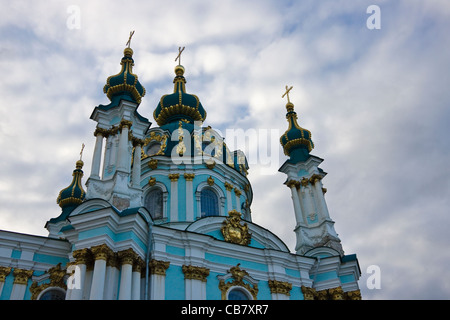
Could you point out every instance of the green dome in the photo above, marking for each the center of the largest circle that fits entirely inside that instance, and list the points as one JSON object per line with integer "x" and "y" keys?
{"x": 296, "y": 141}
{"x": 74, "y": 194}
{"x": 125, "y": 83}
{"x": 179, "y": 105}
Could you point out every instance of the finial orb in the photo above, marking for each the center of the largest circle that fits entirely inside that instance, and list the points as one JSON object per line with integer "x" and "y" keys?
{"x": 128, "y": 52}
{"x": 179, "y": 70}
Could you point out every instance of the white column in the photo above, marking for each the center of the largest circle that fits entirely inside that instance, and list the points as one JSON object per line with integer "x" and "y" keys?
{"x": 157, "y": 271}
{"x": 96, "y": 159}
{"x": 78, "y": 282}
{"x": 101, "y": 254}
{"x": 136, "y": 280}
{"x": 309, "y": 205}
{"x": 237, "y": 192}
{"x": 292, "y": 184}
{"x": 228, "y": 188}
{"x": 98, "y": 280}
{"x": 127, "y": 258}
{"x": 136, "y": 175}
{"x": 112, "y": 280}
{"x": 321, "y": 199}
{"x": 157, "y": 287}
{"x": 174, "y": 196}
{"x": 195, "y": 282}
{"x": 189, "y": 197}
{"x": 123, "y": 162}
{"x": 199, "y": 203}
{"x": 21, "y": 278}
{"x": 82, "y": 257}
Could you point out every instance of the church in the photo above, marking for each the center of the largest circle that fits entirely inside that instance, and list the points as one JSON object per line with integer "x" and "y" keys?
{"x": 165, "y": 214}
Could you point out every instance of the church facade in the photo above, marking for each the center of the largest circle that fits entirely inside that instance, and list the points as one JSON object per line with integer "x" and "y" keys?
{"x": 165, "y": 215}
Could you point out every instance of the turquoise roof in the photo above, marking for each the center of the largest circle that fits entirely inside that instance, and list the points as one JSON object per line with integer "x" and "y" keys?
{"x": 70, "y": 197}
{"x": 179, "y": 105}
{"x": 125, "y": 83}
{"x": 296, "y": 141}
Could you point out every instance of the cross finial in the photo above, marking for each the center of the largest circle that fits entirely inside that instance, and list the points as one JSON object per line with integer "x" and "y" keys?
{"x": 81, "y": 152}
{"x": 129, "y": 39}
{"x": 287, "y": 93}
{"x": 180, "y": 50}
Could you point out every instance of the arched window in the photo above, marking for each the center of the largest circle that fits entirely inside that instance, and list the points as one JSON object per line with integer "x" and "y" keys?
{"x": 238, "y": 294}
{"x": 154, "y": 203}
{"x": 53, "y": 294}
{"x": 209, "y": 203}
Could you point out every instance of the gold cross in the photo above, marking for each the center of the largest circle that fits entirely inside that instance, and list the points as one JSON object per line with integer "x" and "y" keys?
{"x": 81, "y": 152}
{"x": 287, "y": 93}
{"x": 179, "y": 55}
{"x": 129, "y": 39}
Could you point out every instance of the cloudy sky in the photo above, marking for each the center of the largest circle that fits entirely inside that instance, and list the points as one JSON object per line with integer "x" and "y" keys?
{"x": 376, "y": 101}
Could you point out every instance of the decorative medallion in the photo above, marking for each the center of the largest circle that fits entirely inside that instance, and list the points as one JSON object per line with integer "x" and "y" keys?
{"x": 233, "y": 231}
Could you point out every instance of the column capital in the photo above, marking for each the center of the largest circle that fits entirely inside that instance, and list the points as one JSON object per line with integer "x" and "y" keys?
{"x": 125, "y": 123}
{"x": 127, "y": 256}
{"x": 195, "y": 273}
{"x": 308, "y": 293}
{"x": 280, "y": 287}
{"x": 21, "y": 276}
{"x": 82, "y": 256}
{"x": 174, "y": 177}
{"x": 4, "y": 272}
{"x": 100, "y": 131}
{"x": 158, "y": 267}
{"x": 101, "y": 252}
{"x": 138, "y": 264}
{"x": 315, "y": 178}
{"x": 189, "y": 176}
{"x": 293, "y": 183}
{"x": 228, "y": 186}
{"x": 237, "y": 192}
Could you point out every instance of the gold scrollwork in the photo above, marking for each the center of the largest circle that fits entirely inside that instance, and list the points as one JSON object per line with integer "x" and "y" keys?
{"x": 280, "y": 287}
{"x": 233, "y": 231}
{"x": 237, "y": 274}
{"x": 57, "y": 275}
{"x": 158, "y": 137}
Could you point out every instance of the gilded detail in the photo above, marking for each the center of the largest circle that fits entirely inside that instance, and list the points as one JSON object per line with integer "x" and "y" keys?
{"x": 4, "y": 272}
{"x": 195, "y": 273}
{"x": 56, "y": 276}
{"x": 233, "y": 231}
{"x": 238, "y": 276}
{"x": 174, "y": 177}
{"x": 280, "y": 287}
{"x": 189, "y": 176}
{"x": 158, "y": 267}
{"x": 21, "y": 276}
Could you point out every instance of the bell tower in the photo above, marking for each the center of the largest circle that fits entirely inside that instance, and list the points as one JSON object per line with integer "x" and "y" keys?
{"x": 118, "y": 180}
{"x": 314, "y": 227}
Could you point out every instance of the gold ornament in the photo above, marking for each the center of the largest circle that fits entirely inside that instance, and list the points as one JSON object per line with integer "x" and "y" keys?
{"x": 233, "y": 231}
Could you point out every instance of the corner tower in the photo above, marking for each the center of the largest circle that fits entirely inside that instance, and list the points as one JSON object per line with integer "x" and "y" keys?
{"x": 119, "y": 122}
{"x": 314, "y": 228}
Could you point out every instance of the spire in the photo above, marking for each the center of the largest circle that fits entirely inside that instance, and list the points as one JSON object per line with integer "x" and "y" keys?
{"x": 125, "y": 84}
{"x": 296, "y": 141}
{"x": 179, "y": 105}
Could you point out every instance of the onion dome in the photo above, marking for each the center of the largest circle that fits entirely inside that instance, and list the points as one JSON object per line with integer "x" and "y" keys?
{"x": 296, "y": 141}
{"x": 179, "y": 105}
{"x": 74, "y": 194}
{"x": 125, "y": 83}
